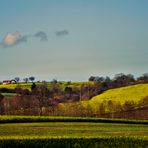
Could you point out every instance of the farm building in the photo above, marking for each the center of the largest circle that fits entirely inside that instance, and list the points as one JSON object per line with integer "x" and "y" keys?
{"x": 9, "y": 82}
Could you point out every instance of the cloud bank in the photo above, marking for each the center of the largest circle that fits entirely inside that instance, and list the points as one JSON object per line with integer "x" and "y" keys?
{"x": 13, "y": 38}
{"x": 62, "y": 33}
{"x": 42, "y": 35}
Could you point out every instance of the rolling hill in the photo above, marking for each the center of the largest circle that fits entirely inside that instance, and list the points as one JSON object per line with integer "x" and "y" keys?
{"x": 134, "y": 93}
{"x": 119, "y": 100}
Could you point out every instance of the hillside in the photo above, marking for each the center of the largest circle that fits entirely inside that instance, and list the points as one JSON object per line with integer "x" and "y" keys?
{"x": 134, "y": 93}
{"x": 9, "y": 90}
{"x": 120, "y": 101}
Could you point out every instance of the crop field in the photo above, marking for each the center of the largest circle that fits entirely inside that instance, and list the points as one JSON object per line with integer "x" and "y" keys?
{"x": 72, "y": 129}
{"x": 28, "y": 85}
{"x": 129, "y": 93}
{"x": 73, "y": 134}
{"x": 13, "y": 86}
{"x": 82, "y": 132}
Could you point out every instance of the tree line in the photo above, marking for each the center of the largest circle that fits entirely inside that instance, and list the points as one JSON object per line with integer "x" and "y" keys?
{"x": 41, "y": 99}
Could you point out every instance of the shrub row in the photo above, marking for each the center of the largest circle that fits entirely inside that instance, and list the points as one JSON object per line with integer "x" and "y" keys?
{"x": 103, "y": 142}
{"x": 7, "y": 90}
{"x": 22, "y": 119}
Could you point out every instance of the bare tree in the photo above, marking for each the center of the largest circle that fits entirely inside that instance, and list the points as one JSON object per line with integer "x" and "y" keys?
{"x": 143, "y": 78}
{"x": 42, "y": 94}
{"x": 129, "y": 105}
{"x": 1, "y": 104}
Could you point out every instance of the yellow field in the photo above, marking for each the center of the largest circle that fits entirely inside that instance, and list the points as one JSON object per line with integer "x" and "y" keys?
{"x": 13, "y": 86}
{"x": 130, "y": 93}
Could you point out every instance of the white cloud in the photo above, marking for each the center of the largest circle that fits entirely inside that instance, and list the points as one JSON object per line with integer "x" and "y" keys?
{"x": 13, "y": 38}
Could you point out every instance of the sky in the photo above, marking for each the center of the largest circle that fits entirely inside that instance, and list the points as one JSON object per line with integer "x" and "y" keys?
{"x": 71, "y": 40}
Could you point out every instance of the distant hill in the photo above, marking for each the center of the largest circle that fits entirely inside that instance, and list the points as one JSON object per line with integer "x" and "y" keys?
{"x": 28, "y": 85}
{"x": 125, "y": 102}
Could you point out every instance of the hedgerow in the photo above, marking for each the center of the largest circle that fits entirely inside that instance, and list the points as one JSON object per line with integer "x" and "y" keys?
{"x": 22, "y": 119}
{"x": 102, "y": 142}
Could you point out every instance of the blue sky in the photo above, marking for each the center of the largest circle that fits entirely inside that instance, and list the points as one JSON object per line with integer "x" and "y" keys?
{"x": 73, "y": 39}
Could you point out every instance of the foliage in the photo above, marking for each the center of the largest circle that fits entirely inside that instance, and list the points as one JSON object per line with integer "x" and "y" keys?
{"x": 101, "y": 142}
{"x": 17, "y": 79}
{"x": 26, "y": 80}
{"x": 73, "y": 99}
{"x": 32, "y": 78}
{"x": 21, "y": 119}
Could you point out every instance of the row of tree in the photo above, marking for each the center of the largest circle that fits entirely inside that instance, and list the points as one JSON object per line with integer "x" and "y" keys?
{"x": 119, "y": 80}
{"x": 32, "y": 78}
{"x": 45, "y": 100}
{"x": 42, "y": 101}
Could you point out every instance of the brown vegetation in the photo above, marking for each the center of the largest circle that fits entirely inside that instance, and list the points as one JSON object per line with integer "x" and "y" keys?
{"x": 42, "y": 100}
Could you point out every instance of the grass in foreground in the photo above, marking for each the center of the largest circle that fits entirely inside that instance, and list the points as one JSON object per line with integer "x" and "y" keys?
{"x": 73, "y": 135}
{"x": 72, "y": 129}
{"x": 78, "y": 133}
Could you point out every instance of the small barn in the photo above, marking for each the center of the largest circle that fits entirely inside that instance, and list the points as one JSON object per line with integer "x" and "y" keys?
{"x": 9, "y": 82}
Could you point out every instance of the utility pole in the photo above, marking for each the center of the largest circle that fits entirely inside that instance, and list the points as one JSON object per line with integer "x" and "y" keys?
{"x": 80, "y": 93}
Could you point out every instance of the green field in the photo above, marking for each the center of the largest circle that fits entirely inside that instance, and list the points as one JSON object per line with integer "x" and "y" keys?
{"x": 13, "y": 86}
{"x": 72, "y": 129}
{"x": 73, "y": 135}
{"x": 23, "y": 131}
{"x": 62, "y": 85}
{"x": 70, "y": 126}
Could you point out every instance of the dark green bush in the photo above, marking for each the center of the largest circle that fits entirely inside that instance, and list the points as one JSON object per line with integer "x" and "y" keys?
{"x": 22, "y": 119}
{"x": 122, "y": 142}
{"x": 6, "y": 90}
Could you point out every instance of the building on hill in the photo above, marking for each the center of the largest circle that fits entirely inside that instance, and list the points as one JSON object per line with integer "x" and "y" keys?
{"x": 9, "y": 82}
